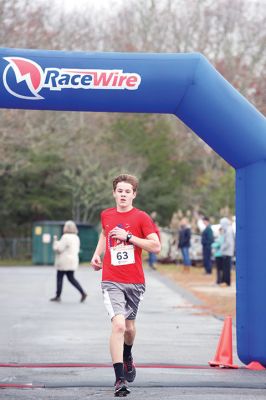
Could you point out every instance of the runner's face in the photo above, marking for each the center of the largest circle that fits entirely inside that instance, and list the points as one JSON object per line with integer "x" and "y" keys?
{"x": 124, "y": 195}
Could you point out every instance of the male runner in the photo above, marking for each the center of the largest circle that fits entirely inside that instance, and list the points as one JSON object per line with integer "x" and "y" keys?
{"x": 126, "y": 230}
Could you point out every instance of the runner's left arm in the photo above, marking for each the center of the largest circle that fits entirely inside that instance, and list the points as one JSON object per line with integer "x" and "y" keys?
{"x": 151, "y": 243}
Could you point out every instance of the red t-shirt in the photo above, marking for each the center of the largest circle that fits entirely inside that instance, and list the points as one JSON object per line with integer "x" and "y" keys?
{"x": 139, "y": 224}
{"x": 157, "y": 230}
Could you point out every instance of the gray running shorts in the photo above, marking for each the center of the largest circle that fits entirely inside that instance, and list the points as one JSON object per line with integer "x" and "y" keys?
{"x": 122, "y": 298}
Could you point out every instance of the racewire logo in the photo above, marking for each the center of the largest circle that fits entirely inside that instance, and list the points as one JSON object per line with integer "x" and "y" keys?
{"x": 30, "y": 79}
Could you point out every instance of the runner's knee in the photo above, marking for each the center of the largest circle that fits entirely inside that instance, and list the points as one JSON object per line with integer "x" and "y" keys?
{"x": 119, "y": 326}
{"x": 130, "y": 330}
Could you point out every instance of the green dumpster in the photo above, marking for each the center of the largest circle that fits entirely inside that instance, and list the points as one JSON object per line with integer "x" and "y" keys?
{"x": 42, "y": 241}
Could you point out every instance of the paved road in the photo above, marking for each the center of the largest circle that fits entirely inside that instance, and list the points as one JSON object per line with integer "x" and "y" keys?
{"x": 171, "y": 330}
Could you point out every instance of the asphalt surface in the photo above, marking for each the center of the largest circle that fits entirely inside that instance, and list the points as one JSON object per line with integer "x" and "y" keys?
{"x": 175, "y": 340}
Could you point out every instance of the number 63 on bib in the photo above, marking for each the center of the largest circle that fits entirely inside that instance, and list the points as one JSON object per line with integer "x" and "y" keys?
{"x": 122, "y": 255}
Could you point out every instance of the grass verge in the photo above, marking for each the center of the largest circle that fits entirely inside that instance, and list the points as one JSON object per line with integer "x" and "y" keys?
{"x": 216, "y": 300}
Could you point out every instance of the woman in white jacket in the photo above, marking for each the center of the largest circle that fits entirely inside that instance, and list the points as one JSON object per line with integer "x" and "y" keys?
{"x": 67, "y": 259}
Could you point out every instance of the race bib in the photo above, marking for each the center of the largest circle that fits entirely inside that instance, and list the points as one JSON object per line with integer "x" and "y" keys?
{"x": 122, "y": 255}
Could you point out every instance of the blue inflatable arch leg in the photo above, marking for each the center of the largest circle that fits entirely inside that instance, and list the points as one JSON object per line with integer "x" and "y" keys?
{"x": 251, "y": 271}
{"x": 187, "y": 86}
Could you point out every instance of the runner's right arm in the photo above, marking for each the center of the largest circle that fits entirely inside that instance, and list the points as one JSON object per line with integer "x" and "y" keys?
{"x": 96, "y": 261}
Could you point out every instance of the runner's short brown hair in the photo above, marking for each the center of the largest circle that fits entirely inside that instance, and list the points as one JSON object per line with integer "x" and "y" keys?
{"x": 128, "y": 179}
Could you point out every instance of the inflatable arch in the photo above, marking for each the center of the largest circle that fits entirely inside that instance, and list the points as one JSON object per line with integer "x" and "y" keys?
{"x": 187, "y": 86}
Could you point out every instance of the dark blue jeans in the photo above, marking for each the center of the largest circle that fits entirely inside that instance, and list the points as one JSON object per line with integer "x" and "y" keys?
{"x": 152, "y": 259}
{"x": 185, "y": 255}
{"x": 207, "y": 262}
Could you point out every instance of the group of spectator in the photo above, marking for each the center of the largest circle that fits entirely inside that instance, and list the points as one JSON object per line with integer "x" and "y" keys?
{"x": 222, "y": 246}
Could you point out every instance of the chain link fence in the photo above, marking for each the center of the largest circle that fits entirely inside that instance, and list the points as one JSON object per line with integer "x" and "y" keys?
{"x": 15, "y": 248}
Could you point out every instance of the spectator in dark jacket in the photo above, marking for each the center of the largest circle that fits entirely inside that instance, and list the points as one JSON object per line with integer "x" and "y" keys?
{"x": 206, "y": 241}
{"x": 184, "y": 243}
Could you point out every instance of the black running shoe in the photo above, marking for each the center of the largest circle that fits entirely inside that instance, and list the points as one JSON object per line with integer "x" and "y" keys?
{"x": 121, "y": 388}
{"x": 56, "y": 298}
{"x": 129, "y": 369}
{"x": 83, "y": 297}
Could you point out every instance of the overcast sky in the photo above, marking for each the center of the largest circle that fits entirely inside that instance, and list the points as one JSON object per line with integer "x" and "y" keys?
{"x": 96, "y": 4}
{"x": 111, "y": 5}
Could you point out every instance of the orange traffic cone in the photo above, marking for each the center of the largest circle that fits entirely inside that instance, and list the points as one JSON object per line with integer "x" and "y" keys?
{"x": 224, "y": 352}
